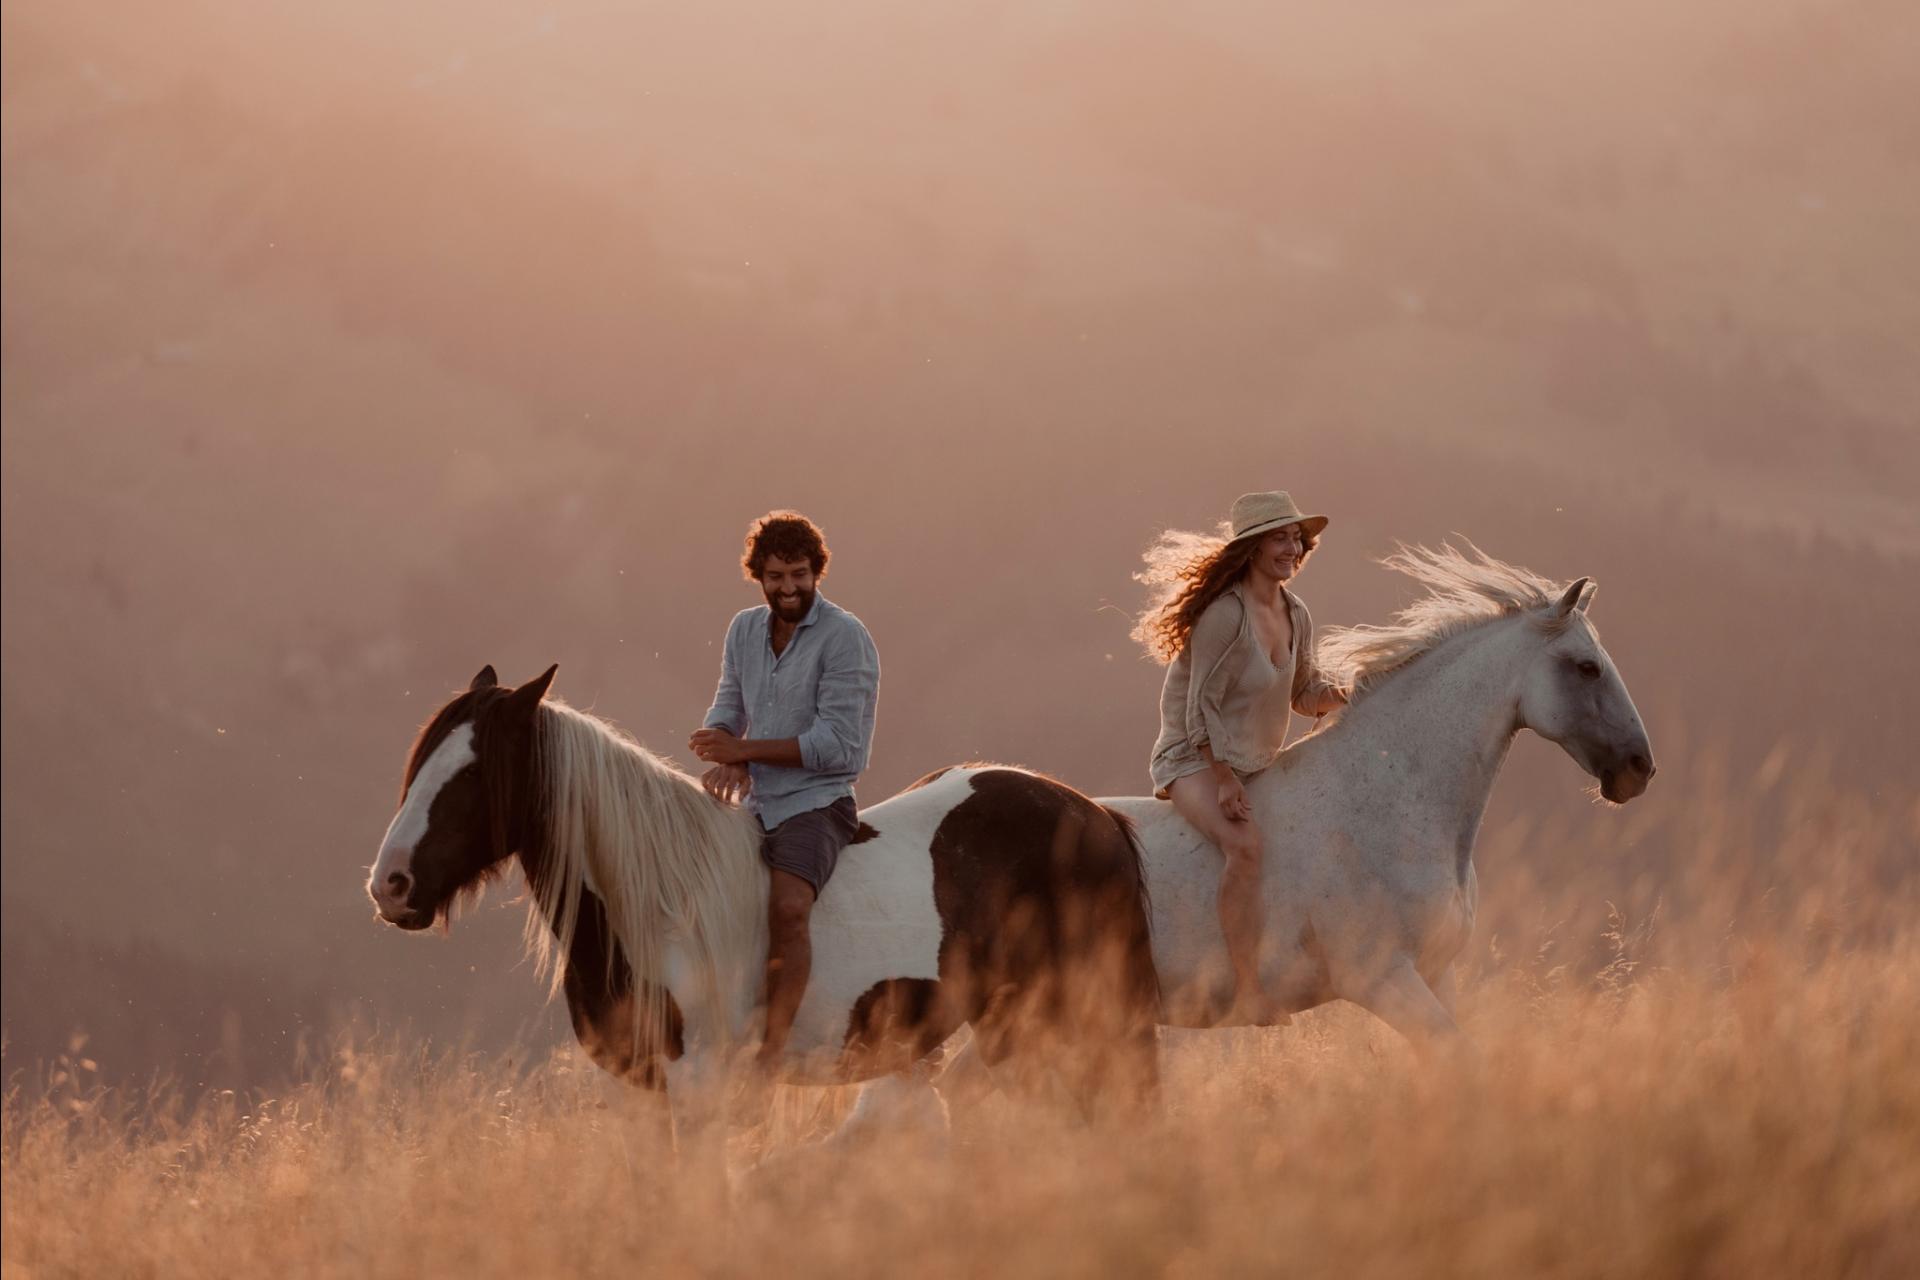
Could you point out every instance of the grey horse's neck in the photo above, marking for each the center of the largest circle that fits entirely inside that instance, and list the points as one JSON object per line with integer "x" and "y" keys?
{"x": 1433, "y": 736}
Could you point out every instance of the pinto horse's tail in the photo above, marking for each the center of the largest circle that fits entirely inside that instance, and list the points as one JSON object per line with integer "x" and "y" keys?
{"x": 1131, "y": 830}
{"x": 1139, "y": 975}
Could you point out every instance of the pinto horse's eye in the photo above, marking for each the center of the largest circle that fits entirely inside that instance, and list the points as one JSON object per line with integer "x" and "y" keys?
{"x": 1589, "y": 669}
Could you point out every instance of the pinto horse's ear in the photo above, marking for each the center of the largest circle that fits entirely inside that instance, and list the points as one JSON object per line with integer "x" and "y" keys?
{"x": 1571, "y": 598}
{"x": 524, "y": 699}
{"x": 485, "y": 680}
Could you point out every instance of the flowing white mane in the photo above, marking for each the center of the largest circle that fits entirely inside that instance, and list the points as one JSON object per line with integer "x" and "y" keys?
{"x": 1464, "y": 590}
{"x": 667, "y": 861}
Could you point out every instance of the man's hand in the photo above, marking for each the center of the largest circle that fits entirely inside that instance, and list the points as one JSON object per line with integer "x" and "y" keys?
{"x": 717, "y": 746}
{"x": 727, "y": 783}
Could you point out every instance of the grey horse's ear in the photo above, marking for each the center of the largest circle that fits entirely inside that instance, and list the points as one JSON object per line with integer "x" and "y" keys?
{"x": 1586, "y": 597}
{"x": 1570, "y": 598}
{"x": 485, "y": 680}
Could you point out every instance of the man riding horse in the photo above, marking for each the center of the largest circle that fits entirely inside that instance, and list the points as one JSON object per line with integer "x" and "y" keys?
{"x": 802, "y": 676}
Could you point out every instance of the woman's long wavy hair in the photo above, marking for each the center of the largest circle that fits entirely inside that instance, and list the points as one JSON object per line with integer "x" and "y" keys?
{"x": 1188, "y": 571}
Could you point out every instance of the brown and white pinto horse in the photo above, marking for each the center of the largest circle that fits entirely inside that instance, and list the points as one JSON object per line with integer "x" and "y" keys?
{"x": 982, "y": 896}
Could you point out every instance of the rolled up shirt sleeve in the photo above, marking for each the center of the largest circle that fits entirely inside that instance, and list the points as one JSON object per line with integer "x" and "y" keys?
{"x": 729, "y": 709}
{"x": 1214, "y": 632}
{"x": 840, "y": 738}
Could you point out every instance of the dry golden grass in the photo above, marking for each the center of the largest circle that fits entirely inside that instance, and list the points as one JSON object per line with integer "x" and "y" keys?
{"x": 1699, "y": 1094}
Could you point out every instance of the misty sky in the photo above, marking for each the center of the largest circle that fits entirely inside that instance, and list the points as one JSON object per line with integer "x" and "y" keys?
{"x": 347, "y": 349}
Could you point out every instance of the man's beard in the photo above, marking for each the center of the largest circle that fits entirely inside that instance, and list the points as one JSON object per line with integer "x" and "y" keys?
{"x": 793, "y": 612}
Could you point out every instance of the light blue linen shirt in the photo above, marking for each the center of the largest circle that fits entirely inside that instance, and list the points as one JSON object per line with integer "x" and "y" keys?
{"x": 823, "y": 690}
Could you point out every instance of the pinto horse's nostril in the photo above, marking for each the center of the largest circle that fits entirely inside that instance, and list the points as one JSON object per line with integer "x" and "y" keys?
{"x": 398, "y": 883}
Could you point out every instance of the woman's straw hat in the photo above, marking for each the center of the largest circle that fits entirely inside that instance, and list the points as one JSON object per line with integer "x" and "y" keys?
{"x": 1256, "y": 513}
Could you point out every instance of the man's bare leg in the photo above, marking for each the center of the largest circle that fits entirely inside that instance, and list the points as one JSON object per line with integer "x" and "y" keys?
{"x": 789, "y": 960}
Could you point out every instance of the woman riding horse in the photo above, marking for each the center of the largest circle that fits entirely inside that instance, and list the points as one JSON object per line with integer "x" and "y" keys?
{"x": 1239, "y": 652}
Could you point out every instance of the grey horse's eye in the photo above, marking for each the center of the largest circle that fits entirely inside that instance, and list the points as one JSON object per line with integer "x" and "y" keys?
{"x": 1589, "y": 669}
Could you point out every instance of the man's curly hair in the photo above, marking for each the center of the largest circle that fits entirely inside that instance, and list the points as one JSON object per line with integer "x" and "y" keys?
{"x": 786, "y": 534}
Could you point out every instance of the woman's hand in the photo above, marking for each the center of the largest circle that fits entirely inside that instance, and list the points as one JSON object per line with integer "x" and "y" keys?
{"x": 1233, "y": 797}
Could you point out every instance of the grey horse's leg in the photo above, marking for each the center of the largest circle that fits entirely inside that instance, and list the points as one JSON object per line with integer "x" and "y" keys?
{"x": 1402, "y": 999}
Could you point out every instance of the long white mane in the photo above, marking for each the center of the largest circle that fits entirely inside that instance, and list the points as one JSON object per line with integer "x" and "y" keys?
{"x": 669, "y": 863}
{"x": 1464, "y": 590}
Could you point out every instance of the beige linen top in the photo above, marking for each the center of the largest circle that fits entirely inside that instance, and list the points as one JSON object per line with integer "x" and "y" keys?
{"x": 1224, "y": 691}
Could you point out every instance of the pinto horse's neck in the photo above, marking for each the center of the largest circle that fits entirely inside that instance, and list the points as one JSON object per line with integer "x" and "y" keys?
{"x": 598, "y": 975}
{"x": 1430, "y": 740}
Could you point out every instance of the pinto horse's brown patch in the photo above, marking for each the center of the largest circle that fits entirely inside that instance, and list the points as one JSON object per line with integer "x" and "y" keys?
{"x": 1044, "y": 921}
{"x": 895, "y": 1023}
{"x": 600, "y": 1000}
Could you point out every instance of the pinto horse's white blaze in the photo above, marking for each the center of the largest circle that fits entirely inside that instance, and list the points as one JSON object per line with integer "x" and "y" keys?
{"x": 409, "y": 826}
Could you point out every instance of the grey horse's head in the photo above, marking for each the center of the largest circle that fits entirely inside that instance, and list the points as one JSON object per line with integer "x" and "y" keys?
{"x": 1573, "y": 695}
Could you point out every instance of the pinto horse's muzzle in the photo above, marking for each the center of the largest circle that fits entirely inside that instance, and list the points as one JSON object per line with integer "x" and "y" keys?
{"x": 411, "y": 921}
{"x": 393, "y": 901}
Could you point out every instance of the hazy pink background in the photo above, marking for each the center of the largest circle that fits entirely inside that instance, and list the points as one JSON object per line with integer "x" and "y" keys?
{"x": 348, "y": 347}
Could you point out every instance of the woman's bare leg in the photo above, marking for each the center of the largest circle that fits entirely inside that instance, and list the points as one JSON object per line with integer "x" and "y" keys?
{"x": 1196, "y": 798}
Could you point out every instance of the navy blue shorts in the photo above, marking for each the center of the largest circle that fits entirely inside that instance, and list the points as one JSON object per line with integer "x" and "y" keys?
{"x": 808, "y": 844}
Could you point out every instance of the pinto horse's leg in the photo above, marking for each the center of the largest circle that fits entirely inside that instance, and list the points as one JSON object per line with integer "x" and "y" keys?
{"x": 902, "y": 1103}
{"x": 965, "y": 1081}
{"x": 1402, "y": 999}
{"x": 641, "y": 1117}
{"x": 697, "y": 1098}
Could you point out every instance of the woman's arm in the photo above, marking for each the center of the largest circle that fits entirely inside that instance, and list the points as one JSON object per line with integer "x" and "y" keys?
{"x": 1210, "y": 670}
{"x": 1314, "y": 692}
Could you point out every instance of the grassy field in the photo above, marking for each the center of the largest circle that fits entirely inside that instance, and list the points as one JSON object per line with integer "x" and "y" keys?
{"x": 1724, "y": 1084}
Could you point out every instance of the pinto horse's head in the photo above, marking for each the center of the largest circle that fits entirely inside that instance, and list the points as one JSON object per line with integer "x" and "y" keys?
{"x": 462, "y": 804}
{"x": 1573, "y": 695}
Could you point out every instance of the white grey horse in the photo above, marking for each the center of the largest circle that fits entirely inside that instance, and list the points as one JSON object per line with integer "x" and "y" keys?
{"x": 1368, "y": 879}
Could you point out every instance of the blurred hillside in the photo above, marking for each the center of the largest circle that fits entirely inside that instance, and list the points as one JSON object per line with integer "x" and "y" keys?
{"x": 348, "y": 349}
